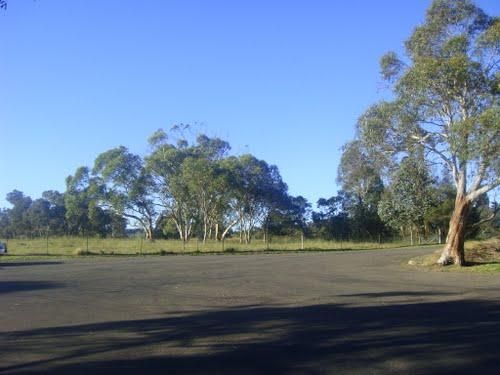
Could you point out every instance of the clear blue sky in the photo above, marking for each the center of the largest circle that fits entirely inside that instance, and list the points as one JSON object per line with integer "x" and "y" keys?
{"x": 284, "y": 80}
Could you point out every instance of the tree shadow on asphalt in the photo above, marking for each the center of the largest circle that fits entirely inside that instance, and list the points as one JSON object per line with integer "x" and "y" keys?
{"x": 25, "y": 264}
{"x": 26, "y": 286}
{"x": 398, "y": 293}
{"x": 446, "y": 337}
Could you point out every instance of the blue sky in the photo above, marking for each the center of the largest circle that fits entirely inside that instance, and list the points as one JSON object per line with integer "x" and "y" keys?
{"x": 284, "y": 80}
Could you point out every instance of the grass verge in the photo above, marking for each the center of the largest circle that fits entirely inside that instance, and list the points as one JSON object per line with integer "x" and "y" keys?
{"x": 480, "y": 256}
{"x": 78, "y": 246}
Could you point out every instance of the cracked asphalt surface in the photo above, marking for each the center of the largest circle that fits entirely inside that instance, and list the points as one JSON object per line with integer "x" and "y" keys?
{"x": 305, "y": 313}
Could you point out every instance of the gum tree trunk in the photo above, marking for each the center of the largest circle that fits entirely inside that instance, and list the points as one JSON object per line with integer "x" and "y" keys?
{"x": 453, "y": 252}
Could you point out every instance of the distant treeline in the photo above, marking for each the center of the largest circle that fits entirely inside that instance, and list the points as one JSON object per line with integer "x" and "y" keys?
{"x": 185, "y": 189}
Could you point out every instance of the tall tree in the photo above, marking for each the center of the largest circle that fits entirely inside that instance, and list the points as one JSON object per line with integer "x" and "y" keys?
{"x": 409, "y": 198}
{"x": 171, "y": 187}
{"x": 331, "y": 221}
{"x": 127, "y": 188}
{"x": 5, "y": 228}
{"x": 18, "y": 213}
{"x": 446, "y": 100}
{"x": 57, "y": 209}
{"x": 357, "y": 172}
{"x": 256, "y": 189}
{"x": 83, "y": 214}
{"x": 207, "y": 181}
{"x": 362, "y": 186}
{"x": 38, "y": 215}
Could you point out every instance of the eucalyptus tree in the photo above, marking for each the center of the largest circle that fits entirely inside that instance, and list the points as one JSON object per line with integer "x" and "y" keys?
{"x": 18, "y": 220}
{"x": 38, "y": 215}
{"x": 57, "y": 211}
{"x": 298, "y": 210}
{"x": 207, "y": 181}
{"x": 127, "y": 188}
{"x": 256, "y": 189}
{"x": 189, "y": 181}
{"x": 408, "y": 200}
{"x": 358, "y": 174}
{"x": 5, "y": 227}
{"x": 76, "y": 202}
{"x": 207, "y": 184}
{"x": 34, "y": 217}
{"x": 361, "y": 181}
{"x": 443, "y": 197}
{"x": 331, "y": 220}
{"x": 291, "y": 218}
{"x": 446, "y": 99}
{"x": 164, "y": 163}
{"x": 81, "y": 199}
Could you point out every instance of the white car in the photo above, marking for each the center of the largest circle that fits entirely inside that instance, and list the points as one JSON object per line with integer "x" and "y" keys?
{"x": 3, "y": 248}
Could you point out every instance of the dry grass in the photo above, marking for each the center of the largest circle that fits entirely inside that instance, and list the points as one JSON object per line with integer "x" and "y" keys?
{"x": 78, "y": 246}
{"x": 480, "y": 256}
{"x": 484, "y": 252}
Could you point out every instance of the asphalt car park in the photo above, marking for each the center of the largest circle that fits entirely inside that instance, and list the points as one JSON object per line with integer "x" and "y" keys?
{"x": 304, "y": 313}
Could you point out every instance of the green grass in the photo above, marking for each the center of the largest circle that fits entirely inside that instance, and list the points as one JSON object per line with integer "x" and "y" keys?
{"x": 73, "y": 246}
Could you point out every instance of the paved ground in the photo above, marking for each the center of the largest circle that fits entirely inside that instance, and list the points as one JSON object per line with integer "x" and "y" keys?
{"x": 350, "y": 312}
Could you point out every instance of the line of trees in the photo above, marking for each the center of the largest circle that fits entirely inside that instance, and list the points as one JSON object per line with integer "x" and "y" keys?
{"x": 186, "y": 190}
{"x": 180, "y": 189}
{"x": 411, "y": 199}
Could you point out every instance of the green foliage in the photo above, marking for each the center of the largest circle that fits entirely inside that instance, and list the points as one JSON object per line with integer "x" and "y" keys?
{"x": 205, "y": 192}
{"x": 442, "y": 196}
{"x": 390, "y": 66}
{"x": 445, "y": 19}
{"x": 444, "y": 99}
{"x": 446, "y": 102}
{"x": 126, "y": 187}
{"x": 83, "y": 212}
{"x": 17, "y": 215}
{"x": 359, "y": 173}
{"x": 257, "y": 190}
{"x": 408, "y": 200}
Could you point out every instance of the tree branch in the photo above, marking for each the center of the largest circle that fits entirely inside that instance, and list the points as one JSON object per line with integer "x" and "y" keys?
{"x": 450, "y": 163}
{"x": 475, "y": 194}
{"x": 479, "y": 176}
{"x": 487, "y": 219}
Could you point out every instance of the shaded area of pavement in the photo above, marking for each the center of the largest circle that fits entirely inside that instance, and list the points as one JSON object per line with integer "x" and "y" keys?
{"x": 20, "y": 286}
{"x": 384, "y": 319}
{"x": 28, "y": 264}
{"x": 457, "y": 336}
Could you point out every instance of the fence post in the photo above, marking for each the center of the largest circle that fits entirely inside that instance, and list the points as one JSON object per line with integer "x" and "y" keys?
{"x": 140, "y": 250}
{"x": 47, "y": 252}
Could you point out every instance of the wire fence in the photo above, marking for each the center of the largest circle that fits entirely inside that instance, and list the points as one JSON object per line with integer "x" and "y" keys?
{"x": 86, "y": 245}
